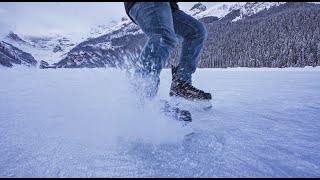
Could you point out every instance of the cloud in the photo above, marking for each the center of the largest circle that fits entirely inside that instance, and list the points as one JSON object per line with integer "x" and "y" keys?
{"x": 3, "y": 26}
{"x": 5, "y": 30}
{"x": 43, "y": 18}
{"x": 56, "y": 17}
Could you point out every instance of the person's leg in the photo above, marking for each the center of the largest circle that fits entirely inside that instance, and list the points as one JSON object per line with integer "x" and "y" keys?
{"x": 194, "y": 34}
{"x": 155, "y": 20}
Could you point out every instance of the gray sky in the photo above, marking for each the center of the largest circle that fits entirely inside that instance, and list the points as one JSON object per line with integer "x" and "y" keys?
{"x": 41, "y": 18}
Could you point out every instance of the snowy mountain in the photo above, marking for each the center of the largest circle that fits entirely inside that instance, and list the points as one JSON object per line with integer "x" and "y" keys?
{"x": 49, "y": 49}
{"x": 10, "y": 56}
{"x": 103, "y": 29}
{"x": 114, "y": 48}
{"x": 220, "y": 10}
{"x": 196, "y": 9}
{"x": 252, "y": 8}
{"x": 17, "y": 40}
{"x": 120, "y": 44}
{"x": 246, "y": 9}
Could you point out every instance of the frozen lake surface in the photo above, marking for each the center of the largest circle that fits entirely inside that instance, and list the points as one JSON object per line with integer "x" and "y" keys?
{"x": 86, "y": 123}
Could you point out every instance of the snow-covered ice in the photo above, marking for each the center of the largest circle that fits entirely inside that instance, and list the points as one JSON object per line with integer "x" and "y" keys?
{"x": 87, "y": 123}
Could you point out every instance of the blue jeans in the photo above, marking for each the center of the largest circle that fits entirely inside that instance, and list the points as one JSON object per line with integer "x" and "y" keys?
{"x": 162, "y": 26}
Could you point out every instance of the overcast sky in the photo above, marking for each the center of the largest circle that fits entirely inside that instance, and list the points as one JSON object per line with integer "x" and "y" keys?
{"x": 40, "y": 18}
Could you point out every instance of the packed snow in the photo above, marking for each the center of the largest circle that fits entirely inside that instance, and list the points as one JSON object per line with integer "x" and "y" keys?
{"x": 89, "y": 123}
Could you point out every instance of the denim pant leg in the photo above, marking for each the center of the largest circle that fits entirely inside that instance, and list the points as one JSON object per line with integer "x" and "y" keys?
{"x": 194, "y": 34}
{"x": 155, "y": 20}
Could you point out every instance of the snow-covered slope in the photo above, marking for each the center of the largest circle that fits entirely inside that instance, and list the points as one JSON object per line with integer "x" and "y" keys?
{"x": 10, "y": 56}
{"x": 106, "y": 50}
{"x": 105, "y": 29}
{"x": 246, "y": 9}
{"x": 87, "y": 123}
{"x": 220, "y": 10}
{"x": 252, "y": 8}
